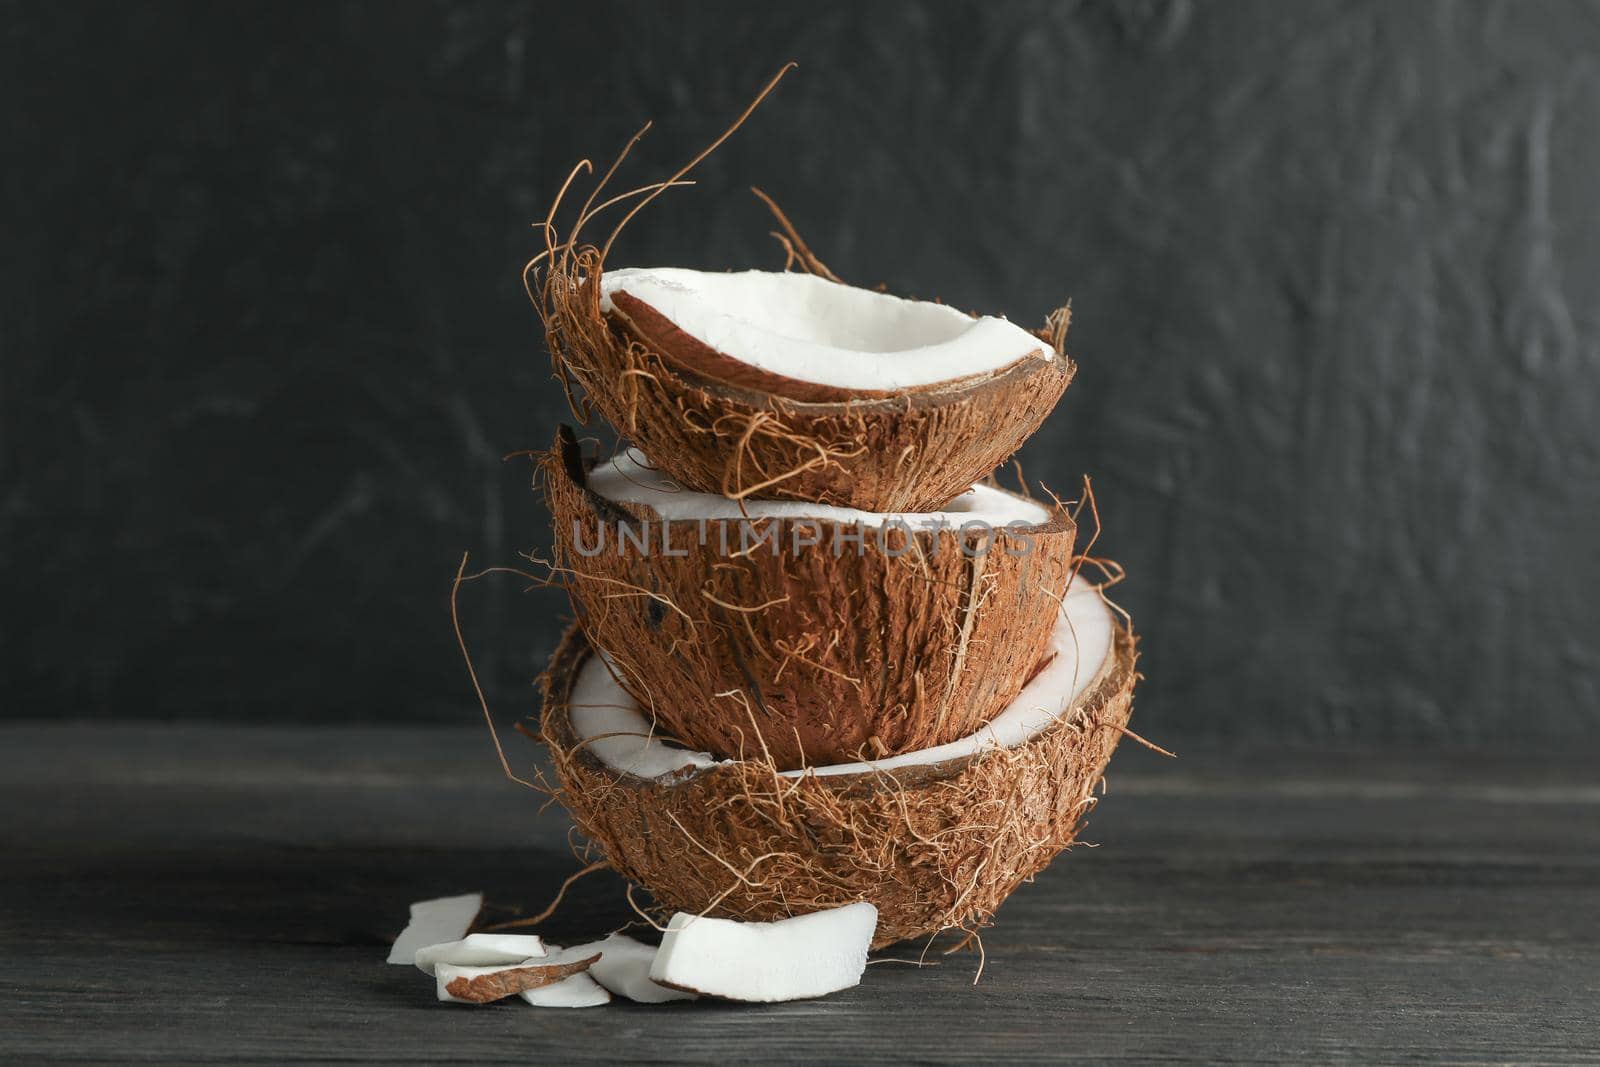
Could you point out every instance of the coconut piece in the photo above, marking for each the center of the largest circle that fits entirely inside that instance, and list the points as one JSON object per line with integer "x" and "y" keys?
{"x": 624, "y": 968}
{"x": 793, "y": 959}
{"x": 577, "y": 991}
{"x": 737, "y": 415}
{"x": 435, "y": 921}
{"x": 481, "y": 985}
{"x": 808, "y": 337}
{"x": 806, "y": 633}
{"x": 481, "y": 950}
{"x": 936, "y": 839}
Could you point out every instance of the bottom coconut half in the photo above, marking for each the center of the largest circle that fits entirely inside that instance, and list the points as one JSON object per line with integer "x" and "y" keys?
{"x": 935, "y": 839}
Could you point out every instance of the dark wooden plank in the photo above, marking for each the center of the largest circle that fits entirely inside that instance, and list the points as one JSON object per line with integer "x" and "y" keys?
{"x": 193, "y": 894}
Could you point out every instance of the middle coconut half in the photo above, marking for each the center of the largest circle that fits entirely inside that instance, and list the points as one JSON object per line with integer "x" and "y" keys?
{"x": 805, "y": 634}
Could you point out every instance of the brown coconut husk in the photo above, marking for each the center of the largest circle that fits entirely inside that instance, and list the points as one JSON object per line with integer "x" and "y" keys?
{"x": 859, "y": 646}
{"x": 717, "y": 426}
{"x": 934, "y": 847}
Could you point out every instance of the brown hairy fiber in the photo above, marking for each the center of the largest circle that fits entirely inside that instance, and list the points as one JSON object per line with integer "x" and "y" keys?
{"x": 933, "y": 847}
{"x": 910, "y": 452}
{"x": 742, "y": 638}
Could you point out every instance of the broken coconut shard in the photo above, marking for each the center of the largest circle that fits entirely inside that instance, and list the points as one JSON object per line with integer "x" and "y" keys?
{"x": 793, "y": 959}
{"x": 482, "y": 985}
{"x": 480, "y": 950}
{"x": 481, "y": 968}
{"x": 433, "y": 922}
{"x": 803, "y": 633}
{"x": 576, "y": 991}
{"x": 936, "y": 839}
{"x": 624, "y": 969}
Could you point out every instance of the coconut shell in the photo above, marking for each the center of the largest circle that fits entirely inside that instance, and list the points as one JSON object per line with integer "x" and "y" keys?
{"x": 933, "y": 846}
{"x": 726, "y": 432}
{"x": 857, "y": 646}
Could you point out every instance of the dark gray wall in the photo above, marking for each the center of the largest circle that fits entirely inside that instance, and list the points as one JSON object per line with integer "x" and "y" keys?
{"x": 1334, "y": 268}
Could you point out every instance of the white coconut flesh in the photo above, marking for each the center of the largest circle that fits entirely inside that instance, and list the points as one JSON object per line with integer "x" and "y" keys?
{"x": 435, "y": 921}
{"x": 791, "y": 959}
{"x": 575, "y": 991}
{"x": 629, "y": 478}
{"x": 480, "y": 950}
{"x": 809, "y": 329}
{"x": 616, "y": 730}
{"x": 624, "y": 969}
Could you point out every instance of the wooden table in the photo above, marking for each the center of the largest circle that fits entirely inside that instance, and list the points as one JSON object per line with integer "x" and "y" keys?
{"x": 206, "y": 894}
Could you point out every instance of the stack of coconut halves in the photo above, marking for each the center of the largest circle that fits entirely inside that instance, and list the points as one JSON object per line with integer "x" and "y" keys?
{"x": 818, "y": 657}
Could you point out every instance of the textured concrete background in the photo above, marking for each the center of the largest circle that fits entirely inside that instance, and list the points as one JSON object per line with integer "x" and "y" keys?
{"x": 1334, "y": 268}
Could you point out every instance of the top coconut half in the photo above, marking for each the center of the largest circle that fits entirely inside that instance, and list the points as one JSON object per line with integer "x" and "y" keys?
{"x": 792, "y": 386}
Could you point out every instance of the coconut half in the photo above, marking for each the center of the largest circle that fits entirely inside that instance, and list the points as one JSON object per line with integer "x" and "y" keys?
{"x": 935, "y": 839}
{"x": 787, "y": 385}
{"x": 803, "y": 633}
{"x": 793, "y": 959}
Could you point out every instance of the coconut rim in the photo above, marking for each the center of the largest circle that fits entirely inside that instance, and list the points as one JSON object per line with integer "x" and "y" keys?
{"x": 1114, "y": 674}
{"x": 624, "y": 333}
{"x": 576, "y": 468}
{"x": 651, "y": 322}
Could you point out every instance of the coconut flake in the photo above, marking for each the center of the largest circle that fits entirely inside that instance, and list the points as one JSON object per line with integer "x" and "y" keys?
{"x": 809, "y": 329}
{"x": 624, "y": 968}
{"x": 480, "y": 950}
{"x": 480, "y": 985}
{"x": 629, "y": 478}
{"x": 792, "y": 959}
{"x": 433, "y": 922}
{"x": 1081, "y": 648}
{"x": 578, "y": 991}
